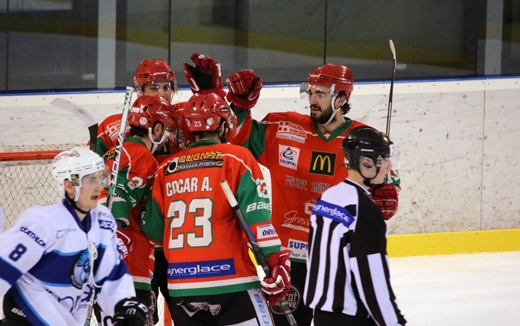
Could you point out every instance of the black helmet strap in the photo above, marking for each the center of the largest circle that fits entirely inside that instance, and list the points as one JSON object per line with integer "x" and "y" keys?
{"x": 73, "y": 204}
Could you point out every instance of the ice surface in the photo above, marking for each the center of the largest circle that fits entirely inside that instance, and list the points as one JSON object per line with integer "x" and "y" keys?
{"x": 470, "y": 289}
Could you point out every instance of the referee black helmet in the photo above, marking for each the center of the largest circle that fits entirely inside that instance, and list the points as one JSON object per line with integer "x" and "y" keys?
{"x": 369, "y": 142}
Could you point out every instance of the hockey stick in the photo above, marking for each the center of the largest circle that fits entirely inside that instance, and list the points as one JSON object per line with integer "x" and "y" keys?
{"x": 113, "y": 177}
{"x": 119, "y": 147}
{"x": 389, "y": 113}
{"x": 254, "y": 245}
{"x": 83, "y": 114}
{"x": 92, "y": 126}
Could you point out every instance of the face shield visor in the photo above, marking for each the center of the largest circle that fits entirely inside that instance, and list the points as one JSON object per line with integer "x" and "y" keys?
{"x": 100, "y": 178}
{"x": 322, "y": 93}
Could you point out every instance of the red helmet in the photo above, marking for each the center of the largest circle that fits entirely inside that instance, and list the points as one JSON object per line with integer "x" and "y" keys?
{"x": 184, "y": 136}
{"x": 147, "y": 110}
{"x": 336, "y": 77}
{"x": 204, "y": 111}
{"x": 151, "y": 70}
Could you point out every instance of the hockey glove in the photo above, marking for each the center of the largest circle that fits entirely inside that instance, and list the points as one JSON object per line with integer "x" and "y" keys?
{"x": 205, "y": 77}
{"x": 124, "y": 243}
{"x": 387, "y": 198}
{"x": 278, "y": 283}
{"x": 131, "y": 311}
{"x": 121, "y": 223}
{"x": 244, "y": 89}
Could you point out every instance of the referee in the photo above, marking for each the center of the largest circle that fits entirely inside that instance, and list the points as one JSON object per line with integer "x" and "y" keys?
{"x": 348, "y": 277}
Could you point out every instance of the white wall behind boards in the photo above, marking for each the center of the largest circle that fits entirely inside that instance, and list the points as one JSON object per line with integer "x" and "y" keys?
{"x": 458, "y": 142}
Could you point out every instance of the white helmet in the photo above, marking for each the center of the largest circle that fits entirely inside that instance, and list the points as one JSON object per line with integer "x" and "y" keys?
{"x": 74, "y": 164}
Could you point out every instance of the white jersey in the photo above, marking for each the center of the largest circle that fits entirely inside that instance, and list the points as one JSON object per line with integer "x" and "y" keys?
{"x": 45, "y": 265}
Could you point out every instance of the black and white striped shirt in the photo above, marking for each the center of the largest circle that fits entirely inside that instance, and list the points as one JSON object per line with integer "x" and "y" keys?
{"x": 347, "y": 265}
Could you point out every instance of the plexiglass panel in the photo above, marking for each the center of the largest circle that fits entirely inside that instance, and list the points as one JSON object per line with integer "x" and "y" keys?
{"x": 75, "y": 44}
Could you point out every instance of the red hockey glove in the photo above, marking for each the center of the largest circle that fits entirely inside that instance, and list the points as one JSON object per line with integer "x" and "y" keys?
{"x": 131, "y": 311}
{"x": 387, "y": 198}
{"x": 124, "y": 243}
{"x": 244, "y": 89}
{"x": 205, "y": 77}
{"x": 279, "y": 283}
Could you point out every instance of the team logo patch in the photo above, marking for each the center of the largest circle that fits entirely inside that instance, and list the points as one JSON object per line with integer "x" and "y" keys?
{"x": 81, "y": 270}
{"x": 292, "y": 297}
{"x": 288, "y": 156}
{"x": 291, "y": 131}
{"x": 322, "y": 163}
{"x": 194, "y": 161}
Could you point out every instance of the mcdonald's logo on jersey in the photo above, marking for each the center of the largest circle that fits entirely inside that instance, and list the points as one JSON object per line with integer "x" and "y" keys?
{"x": 322, "y": 163}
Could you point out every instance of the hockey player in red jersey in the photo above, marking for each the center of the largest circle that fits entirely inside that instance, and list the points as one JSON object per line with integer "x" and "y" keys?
{"x": 153, "y": 77}
{"x": 212, "y": 280}
{"x": 303, "y": 154}
{"x": 150, "y": 126}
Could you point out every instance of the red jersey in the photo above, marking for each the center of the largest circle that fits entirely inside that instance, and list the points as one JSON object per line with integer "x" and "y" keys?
{"x": 188, "y": 212}
{"x": 108, "y": 131}
{"x": 136, "y": 170}
{"x": 303, "y": 163}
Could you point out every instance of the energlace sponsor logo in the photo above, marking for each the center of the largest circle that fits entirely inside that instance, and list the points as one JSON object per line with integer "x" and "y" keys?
{"x": 201, "y": 269}
{"x": 334, "y": 212}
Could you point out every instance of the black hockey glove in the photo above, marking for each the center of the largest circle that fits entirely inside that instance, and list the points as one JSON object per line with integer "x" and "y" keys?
{"x": 121, "y": 224}
{"x": 131, "y": 311}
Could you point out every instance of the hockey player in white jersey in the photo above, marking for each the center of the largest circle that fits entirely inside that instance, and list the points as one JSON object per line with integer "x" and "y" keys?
{"x": 56, "y": 256}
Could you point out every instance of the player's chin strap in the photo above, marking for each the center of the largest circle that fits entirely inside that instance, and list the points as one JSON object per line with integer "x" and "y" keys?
{"x": 72, "y": 202}
{"x": 155, "y": 144}
{"x": 366, "y": 181}
{"x": 334, "y": 109}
